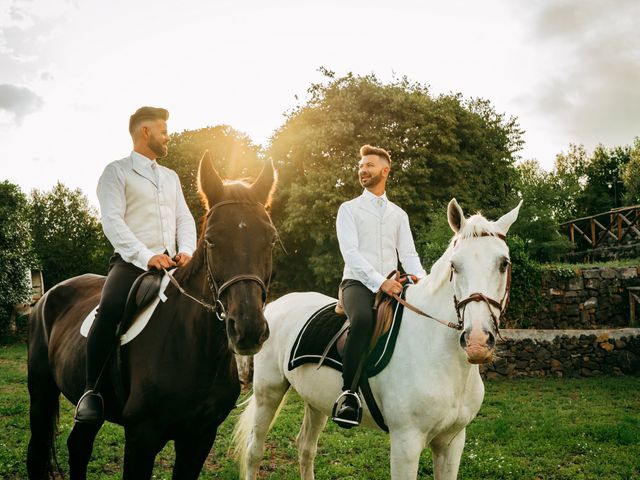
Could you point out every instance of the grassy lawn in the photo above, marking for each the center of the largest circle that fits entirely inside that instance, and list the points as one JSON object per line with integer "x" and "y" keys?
{"x": 527, "y": 429}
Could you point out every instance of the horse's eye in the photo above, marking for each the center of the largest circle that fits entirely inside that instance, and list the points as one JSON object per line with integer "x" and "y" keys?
{"x": 504, "y": 264}
{"x": 453, "y": 267}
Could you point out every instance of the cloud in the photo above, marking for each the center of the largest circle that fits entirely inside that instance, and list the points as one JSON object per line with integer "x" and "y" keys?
{"x": 592, "y": 90}
{"x": 18, "y": 102}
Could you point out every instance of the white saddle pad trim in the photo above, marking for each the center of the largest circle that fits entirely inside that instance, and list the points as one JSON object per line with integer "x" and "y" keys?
{"x": 138, "y": 323}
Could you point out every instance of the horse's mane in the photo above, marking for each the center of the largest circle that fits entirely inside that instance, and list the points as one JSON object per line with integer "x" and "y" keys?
{"x": 474, "y": 226}
{"x": 234, "y": 190}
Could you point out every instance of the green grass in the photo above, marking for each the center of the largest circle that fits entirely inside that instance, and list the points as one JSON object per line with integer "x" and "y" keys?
{"x": 527, "y": 429}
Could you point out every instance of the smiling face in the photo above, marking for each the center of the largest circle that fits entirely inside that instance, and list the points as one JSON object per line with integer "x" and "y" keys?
{"x": 157, "y": 137}
{"x": 372, "y": 170}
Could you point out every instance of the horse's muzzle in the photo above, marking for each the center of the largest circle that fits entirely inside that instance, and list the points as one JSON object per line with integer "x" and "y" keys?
{"x": 246, "y": 337}
{"x": 479, "y": 347}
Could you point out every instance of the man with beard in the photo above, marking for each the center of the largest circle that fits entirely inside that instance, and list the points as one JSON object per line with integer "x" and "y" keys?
{"x": 373, "y": 234}
{"x": 145, "y": 217}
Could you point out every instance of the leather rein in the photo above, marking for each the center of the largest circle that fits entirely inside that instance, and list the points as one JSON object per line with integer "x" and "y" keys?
{"x": 474, "y": 297}
{"x": 217, "y": 306}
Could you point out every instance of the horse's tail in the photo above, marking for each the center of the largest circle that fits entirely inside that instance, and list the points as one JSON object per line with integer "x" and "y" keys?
{"x": 44, "y": 401}
{"x": 243, "y": 429}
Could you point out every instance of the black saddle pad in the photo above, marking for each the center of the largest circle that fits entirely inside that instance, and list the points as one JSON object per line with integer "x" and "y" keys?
{"x": 322, "y": 326}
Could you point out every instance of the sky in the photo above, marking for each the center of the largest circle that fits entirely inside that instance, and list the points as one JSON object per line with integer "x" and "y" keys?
{"x": 73, "y": 71}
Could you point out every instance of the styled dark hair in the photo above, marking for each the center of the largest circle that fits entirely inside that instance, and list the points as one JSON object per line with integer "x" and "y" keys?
{"x": 369, "y": 150}
{"x": 146, "y": 113}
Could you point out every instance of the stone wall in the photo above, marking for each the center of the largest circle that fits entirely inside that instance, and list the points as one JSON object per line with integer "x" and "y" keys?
{"x": 565, "y": 353}
{"x": 603, "y": 254}
{"x": 593, "y": 298}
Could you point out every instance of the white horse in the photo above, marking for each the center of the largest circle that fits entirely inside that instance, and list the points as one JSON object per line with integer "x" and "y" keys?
{"x": 430, "y": 390}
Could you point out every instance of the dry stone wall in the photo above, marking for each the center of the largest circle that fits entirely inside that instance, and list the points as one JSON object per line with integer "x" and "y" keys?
{"x": 565, "y": 353}
{"x": 592, "y": 298}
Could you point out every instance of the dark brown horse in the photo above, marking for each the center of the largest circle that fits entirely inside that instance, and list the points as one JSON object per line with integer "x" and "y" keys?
{"x": 180, "y": 372}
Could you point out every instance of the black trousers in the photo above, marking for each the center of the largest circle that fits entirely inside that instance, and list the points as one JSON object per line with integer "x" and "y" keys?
{"x": 101, "y": 339}
{"x": 357, "y": 301}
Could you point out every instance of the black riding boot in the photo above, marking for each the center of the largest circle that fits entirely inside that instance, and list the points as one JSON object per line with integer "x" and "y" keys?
{"x": 90, "y": 408}
{"x": 347, "y": 411}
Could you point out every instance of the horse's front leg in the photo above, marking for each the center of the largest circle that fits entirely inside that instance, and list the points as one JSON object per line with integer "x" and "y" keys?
{"x": 447, "y": 452}
{"x": 143, "y": 441}
{"x": 80, "y": 446}
{"x": 406, "y": 447}
{"x": 191, "y": 452}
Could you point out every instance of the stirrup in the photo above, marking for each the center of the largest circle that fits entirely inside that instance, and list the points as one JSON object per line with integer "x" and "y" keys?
{"x": 341, "y": 402}
{"x": 90, "y": 408}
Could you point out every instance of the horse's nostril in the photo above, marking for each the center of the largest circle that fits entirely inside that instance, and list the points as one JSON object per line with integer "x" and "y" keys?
{"x": 231, "y": 326}
{"x": 463, "y": 339}
{"x": 492, "y": 340}
{"x": 265, "y": 333}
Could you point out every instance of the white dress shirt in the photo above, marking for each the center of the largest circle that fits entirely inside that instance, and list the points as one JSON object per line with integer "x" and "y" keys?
{"x": 370, "y": 230}
{"x": 143, "y": 210}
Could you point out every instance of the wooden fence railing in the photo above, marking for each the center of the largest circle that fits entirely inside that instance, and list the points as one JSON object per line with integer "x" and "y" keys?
{"x": 617, "y": 227}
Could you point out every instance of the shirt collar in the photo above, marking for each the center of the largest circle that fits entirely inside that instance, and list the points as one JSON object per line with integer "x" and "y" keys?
{"x": 141, "y": 161}
{"x": 373, "y": 197}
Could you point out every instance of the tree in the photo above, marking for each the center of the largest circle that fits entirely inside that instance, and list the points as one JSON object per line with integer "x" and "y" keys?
{"x": 68, "y": 237}
{"x": 234, "y": 156}
{"x": 604, "y": 189}
{"x": 545, "y": 197}
{"x": 631, "y": 175}
{"x": 15, "y": 251}
{"x": 441, "y": 147}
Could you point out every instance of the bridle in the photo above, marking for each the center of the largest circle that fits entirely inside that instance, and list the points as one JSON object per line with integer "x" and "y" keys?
{"x": 481, "y": 297}
{"x": 217, "y": 306}
{"x": 474, "y": 297}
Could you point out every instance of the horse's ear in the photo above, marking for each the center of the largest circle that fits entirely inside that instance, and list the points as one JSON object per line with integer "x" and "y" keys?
{"x": 209, "y": 182}
{"x": 455, "y": 216}
{"x": 504, "y": 222}
{"x": 265, "y": 184}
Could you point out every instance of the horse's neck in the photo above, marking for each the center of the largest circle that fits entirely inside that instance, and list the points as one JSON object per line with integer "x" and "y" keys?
{"x": 430, "y": 341}
{"x": 194, "y": 324}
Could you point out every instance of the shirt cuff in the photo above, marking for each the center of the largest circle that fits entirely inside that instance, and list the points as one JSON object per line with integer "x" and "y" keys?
{"x": 186, "y": 250}
{"x": 376, "y": 282}
{"x": 144, "y": 257}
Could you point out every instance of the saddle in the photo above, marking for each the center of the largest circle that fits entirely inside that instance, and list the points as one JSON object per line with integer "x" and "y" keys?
{"x": 384, "y": 306}
{"x": 143, "y": 291}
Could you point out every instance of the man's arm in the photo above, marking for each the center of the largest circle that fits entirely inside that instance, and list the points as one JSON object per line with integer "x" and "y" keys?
{"x": 185, "y": 227}
{"x": 407, "y": 250}
{"x": 348, "y": 241}
{"x": 111, "y": 195}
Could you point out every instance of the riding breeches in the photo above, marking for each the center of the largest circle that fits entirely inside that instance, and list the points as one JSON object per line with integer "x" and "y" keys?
{"x": 101, "y": 338}
{"x": 357, "y": 301}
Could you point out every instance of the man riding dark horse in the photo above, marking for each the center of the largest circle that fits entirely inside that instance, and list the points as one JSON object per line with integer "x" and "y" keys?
{"x": 373, "y": 234}
{"x": 145, "y": 217}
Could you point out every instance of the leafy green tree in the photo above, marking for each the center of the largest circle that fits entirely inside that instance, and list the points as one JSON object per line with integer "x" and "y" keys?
{"x": 545, "y": 198}
{"x": 15, "y": 251}
{"x": 68, "y": 237}
{"x": 441, "y": 147}
{"x": 631, "y": 175}
{"x": 234, "y": 156}
{"x": 604, "y": 189}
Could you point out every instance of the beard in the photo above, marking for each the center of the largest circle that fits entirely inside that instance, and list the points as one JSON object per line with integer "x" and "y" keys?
{"x": 372, "y": 181}
{"x": 160, "y": 149}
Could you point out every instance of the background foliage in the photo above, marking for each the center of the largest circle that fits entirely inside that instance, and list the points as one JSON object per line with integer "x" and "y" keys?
{"x": 15, "y": 251}
{"x": 442, "y": 146}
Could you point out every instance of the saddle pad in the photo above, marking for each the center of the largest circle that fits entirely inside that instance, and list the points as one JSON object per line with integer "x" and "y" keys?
{"x": 138, "y": 323}
{"x": 322, "y": 327}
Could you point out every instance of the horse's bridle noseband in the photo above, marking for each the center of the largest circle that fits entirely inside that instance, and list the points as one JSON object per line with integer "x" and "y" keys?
{"x": 217, "y": 306}
{"x": 481, "y": 297}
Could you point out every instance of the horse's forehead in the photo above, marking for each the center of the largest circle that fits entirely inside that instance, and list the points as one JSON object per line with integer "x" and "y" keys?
{"x": 476, "y": 249}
